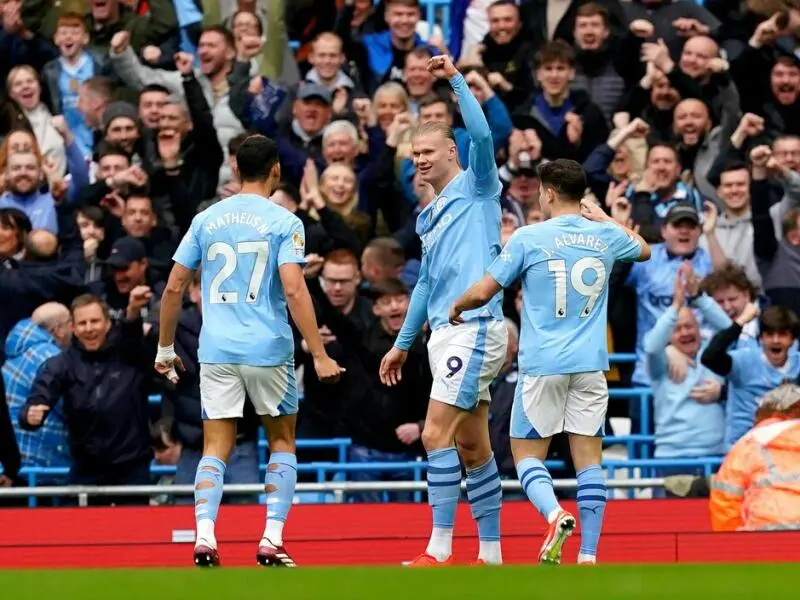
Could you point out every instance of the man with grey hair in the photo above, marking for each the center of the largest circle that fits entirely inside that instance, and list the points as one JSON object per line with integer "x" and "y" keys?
{"x": 31, "y": 342}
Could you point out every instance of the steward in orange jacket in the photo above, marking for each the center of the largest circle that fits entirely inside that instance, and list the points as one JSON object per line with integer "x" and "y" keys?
{"x": 758, "y": 486}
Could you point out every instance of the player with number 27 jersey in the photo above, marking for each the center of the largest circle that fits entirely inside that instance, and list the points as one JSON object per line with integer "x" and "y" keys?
{"x": 241, "y": 242}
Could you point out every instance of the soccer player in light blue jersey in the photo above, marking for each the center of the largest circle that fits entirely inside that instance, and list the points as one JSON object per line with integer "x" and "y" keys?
{"x": 460, "y": 233}
{"x": 564, "y": 263}
{"x": 252, "y": 254}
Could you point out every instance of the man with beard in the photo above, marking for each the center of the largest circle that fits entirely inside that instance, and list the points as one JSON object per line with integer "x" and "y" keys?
{"x": 22, "y": 177}
{"x": 781, "y": 104}
{"x": 649, "y": 201}
{"x": 698, "y": 144}
{"x": 507, "y": 54}
{"x": 596, "y": 71}
{"x": 121, "y": 127}
{"x": 753, "y": 371}
{"x": 567, "y": 122}
{"x": 216, "y": 52}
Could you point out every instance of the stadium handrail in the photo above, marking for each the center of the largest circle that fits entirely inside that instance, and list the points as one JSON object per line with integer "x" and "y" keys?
{"x": 338, "y": 488}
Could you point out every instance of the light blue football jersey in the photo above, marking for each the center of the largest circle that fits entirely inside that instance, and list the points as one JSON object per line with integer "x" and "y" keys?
{"x": 460, "y": 231}
{"x": 564, "y": 263}
{"x": 240, "y": 243}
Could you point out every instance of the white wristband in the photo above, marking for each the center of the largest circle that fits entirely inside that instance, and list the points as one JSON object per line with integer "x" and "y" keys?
{"x": 165, "y": 353}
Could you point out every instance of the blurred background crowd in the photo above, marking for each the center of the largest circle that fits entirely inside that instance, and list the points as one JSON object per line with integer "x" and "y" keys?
{"x": 120, "y": 119}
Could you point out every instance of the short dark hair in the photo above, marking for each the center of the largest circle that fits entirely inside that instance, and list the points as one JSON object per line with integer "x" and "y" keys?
{"x": 555, "y": 51}
{"x": 728, "y": 275}
{"x": 108, "y": 149}
{"x": 776, "y": 319}
{"x": 593, "y": 9}
{"x": 388, "y": 287}
{"x": 13, "y": 218}
{"x": 289, "y": 190}
{"x": 87, "y": 300}
{"x": 94, "y": 214}
{"x": 434, "y": 98}
{"x": 565, "y": 177}
{"x": 499, "y": 3}
{"x": 224, "y": 32}
{"x": 733, "y": 165}
{"x": 421, "y": 52}
{"x": 236, "y": 141}
{"x": 154, "y": 87}
{"x": 256, "y": 157}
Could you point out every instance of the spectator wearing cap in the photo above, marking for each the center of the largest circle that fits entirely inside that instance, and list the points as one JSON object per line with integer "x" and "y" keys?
{"x": 653, "y": 282}
{"x": 29, "y": 345}
{"x": 758, "y": 485}
{"x": 301, "y": 138}
{"x": 103, "y": 378}
{"x": 753, "y": 371}
{"x": 130, "y": 270}
{"x": 217, "y": 50}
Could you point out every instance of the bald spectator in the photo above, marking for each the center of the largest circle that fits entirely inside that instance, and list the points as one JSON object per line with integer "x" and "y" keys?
{"x": 41, "y": 245}
{"x": 698, "y": 143}
{"x": 29, "y": 345}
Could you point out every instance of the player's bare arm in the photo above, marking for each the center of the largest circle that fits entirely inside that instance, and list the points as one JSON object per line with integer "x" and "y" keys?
{"x": 167, "y": 362}
{"x": 476, "y": 296}
{"x": 594, "y": 212}
{"x": 301, "y": 308}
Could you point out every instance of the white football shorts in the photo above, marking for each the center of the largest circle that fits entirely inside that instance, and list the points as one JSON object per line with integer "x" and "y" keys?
{"x": 223, "y": 387}
{"x": 465, "y": 359}
{"x": 545, "y": 405}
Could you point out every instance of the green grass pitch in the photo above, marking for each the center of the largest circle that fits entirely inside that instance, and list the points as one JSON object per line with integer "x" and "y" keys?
{"x": 605, "y": 582}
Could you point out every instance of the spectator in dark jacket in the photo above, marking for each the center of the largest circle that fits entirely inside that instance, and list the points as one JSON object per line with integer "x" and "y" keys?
{"x": 9, "y": 452}
{"x": 103, "y": 379}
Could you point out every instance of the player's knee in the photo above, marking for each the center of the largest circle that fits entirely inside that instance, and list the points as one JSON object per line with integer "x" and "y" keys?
{"x": 473, "y": 453}
{"x": 435, "y": 437}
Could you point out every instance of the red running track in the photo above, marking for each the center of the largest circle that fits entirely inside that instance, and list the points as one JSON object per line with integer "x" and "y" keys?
{"x": 643, "y": 531}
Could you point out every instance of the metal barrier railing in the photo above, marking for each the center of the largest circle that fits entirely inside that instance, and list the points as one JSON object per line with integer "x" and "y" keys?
{"x": 338, "y": 489}
{"x": 332, "y": 475}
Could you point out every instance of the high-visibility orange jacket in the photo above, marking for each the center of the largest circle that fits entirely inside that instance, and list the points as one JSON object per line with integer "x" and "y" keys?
{"x": 758, "y": 485}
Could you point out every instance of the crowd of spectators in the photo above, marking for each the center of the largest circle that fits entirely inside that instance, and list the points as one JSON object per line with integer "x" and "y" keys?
{"x": 120, "y": 120}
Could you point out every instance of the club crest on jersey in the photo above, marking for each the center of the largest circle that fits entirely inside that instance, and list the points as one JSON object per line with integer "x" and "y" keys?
{"x": 439, "y": 204}
{"x": 298, "y": 244}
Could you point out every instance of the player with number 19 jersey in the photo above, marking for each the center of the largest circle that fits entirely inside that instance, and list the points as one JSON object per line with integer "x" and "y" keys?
{"x": 564, "y": 263}
{"x": 241, "y": 242}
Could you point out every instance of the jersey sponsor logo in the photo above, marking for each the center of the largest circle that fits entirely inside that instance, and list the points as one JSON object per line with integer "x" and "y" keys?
{"x": 662, "y": 301}
{"x": 298, "y": 244}
{"x": 429, "y": 239}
